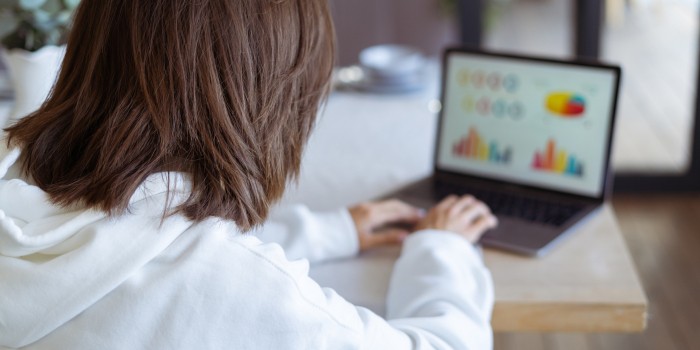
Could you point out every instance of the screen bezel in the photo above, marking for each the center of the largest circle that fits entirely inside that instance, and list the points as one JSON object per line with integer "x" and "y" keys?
{"x": 606, "y": 176}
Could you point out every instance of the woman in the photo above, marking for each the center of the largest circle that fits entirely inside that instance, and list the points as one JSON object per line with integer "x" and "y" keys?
{"x": 126, "y": 201}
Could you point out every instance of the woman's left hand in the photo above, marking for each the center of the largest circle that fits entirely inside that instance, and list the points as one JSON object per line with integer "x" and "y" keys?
{"x": 371, "y": 216}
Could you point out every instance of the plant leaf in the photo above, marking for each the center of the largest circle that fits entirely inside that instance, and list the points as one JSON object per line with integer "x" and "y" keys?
{"x": 8, "y": 24}
{"x": 64, "y": 17}
{"x": 31, "y": 4}
{"x": 71, "y": 4}
{"x": 42, "y": 20}
{"x": 8, "y": 3}
{"x": 53, "y": 6}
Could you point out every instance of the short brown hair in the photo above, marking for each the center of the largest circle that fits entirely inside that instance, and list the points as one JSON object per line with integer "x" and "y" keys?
{"x": 226, "y": 91}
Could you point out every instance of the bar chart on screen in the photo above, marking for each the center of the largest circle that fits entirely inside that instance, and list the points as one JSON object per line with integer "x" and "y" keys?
{"x": 557, "y": 161}
{"x": 475, "y": 147}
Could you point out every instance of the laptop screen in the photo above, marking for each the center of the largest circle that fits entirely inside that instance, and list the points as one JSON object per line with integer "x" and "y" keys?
{"x": 532, "y": 122}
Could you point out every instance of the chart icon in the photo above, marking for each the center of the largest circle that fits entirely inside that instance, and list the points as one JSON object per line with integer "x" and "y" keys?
{"x": 474, "y": 146}
{"x": 566, "y": 104}
{"x": 557, "y": 161}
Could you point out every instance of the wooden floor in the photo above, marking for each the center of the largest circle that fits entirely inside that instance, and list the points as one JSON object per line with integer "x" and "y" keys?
{"x": 663, "y": 235}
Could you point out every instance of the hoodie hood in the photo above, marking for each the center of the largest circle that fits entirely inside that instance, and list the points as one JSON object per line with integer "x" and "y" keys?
{"x": 55, "y": 262}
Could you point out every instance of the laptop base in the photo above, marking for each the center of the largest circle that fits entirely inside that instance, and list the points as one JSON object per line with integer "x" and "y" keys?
{"x": 512, "y": 234}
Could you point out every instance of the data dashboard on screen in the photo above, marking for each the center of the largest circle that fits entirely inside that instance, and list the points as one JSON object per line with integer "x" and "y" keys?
{"x": 537, "y": 123}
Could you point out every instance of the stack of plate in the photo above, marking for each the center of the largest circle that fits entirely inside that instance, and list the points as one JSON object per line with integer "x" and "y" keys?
{"x": 391, "y": 69}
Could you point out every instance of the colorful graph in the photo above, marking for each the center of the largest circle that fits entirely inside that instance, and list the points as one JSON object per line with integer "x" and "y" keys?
{"x": 557, "y": 161}
{"x": 566, "y": 104}
{"x": 473, "y": 146}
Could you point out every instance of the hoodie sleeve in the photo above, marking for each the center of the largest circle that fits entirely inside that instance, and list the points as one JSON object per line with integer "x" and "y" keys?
{"x": 440, "y": 297}
{"x": 441, "y": 294}
{"x": 315, "y": 236}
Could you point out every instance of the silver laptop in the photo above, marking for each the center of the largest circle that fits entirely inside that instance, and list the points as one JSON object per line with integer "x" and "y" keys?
{"x": 531, "y": 137}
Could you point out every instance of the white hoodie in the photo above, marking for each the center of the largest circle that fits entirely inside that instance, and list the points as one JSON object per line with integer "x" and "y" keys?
{"x": 73, "y": 278}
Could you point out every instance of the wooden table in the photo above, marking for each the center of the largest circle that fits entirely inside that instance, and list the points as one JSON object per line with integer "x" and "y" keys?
{"x": 587, "y": 284}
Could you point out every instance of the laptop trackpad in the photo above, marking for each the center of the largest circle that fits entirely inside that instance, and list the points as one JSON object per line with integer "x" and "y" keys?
{"x": 519, "y": 235}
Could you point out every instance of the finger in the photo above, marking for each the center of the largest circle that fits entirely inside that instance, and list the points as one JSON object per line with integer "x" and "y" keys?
{"x": 386, "y": 237}
{"x": 481, "y": 225}
{"x": 446, "y": 203}
{"x": 473, "y": 212}
{"x": 461, "y": 204}
{"x": 395, "y": 211}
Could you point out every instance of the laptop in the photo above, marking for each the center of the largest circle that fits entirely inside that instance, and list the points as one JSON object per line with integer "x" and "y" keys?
{"x": 531, "y": 137}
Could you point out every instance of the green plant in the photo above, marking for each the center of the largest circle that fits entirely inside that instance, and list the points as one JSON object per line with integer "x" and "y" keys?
{"x": 33, "y": 24}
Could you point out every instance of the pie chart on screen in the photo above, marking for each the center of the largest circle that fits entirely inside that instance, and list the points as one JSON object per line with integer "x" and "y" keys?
{"x": 566, "y": 104}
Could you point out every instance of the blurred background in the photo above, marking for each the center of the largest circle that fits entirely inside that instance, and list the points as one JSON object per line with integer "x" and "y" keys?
{"x": 656, "y": 156}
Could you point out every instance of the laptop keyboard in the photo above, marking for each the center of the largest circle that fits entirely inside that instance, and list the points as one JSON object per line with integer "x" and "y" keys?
{"x": 522, "y": 207}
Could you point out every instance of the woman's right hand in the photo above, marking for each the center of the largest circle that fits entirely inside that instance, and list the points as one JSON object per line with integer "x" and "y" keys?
{"x": 465, "y": 216}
